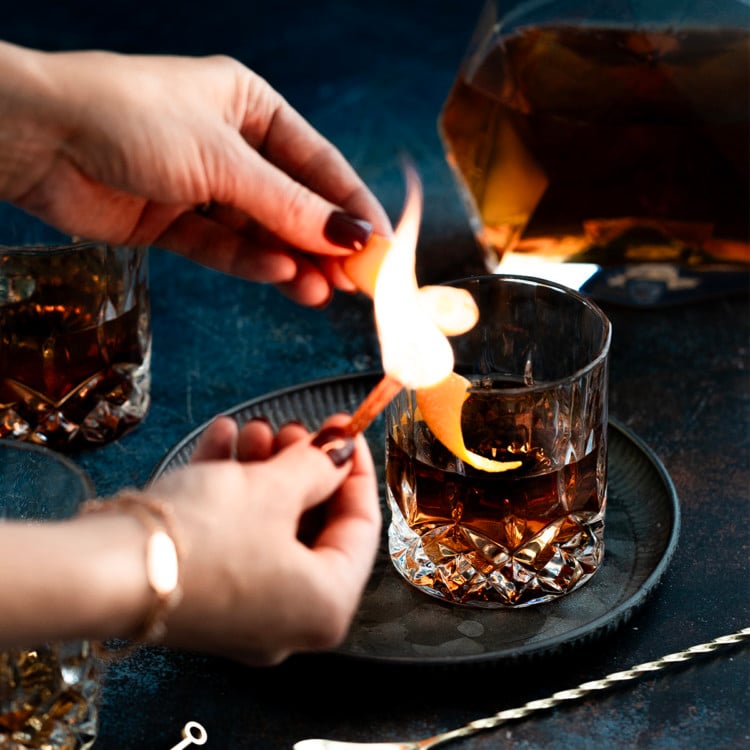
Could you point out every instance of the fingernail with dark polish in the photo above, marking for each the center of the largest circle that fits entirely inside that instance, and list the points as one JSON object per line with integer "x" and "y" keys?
{"x": 347, "y": 231}
{"x": 336, "y": 444}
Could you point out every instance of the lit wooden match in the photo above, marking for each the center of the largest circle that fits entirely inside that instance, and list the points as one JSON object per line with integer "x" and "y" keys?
{"x": 375, "y": 401}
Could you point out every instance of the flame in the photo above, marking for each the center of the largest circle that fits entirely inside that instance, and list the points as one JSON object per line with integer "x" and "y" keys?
{"x": 413, "y": 324}
{"x": 413, "y": 349}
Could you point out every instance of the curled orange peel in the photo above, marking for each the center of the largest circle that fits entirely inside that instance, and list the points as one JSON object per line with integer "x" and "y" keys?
{"x": 441, "y": 406}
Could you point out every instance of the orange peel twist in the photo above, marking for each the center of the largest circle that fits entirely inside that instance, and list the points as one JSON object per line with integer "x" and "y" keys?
{"x": 441, "y": 407}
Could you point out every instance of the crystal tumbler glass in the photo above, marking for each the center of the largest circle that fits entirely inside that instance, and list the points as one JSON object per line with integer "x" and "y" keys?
{"x": 75, "y": 342}
{"x": 49, "y": 692}
{"x": 518, "y": 518}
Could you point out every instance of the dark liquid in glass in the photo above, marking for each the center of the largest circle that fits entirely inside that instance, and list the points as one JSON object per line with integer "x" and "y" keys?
{"x": 72, "y": 370}
{"x": 548, "y": 519}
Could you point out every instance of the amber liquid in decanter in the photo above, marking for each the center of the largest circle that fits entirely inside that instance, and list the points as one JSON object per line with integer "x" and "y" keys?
{"x": 608, "y": 144}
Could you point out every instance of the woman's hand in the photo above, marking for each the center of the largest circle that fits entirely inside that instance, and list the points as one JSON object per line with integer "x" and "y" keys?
{"x": 196, "y": 155}
{"x": 280, "y": 541}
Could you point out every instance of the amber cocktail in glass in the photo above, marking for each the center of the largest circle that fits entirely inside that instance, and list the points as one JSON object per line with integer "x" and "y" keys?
{"x": 518, "y": 519}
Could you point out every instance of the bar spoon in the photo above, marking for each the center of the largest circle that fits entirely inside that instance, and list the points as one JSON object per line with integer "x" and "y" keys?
{"x": 491, "y": 722}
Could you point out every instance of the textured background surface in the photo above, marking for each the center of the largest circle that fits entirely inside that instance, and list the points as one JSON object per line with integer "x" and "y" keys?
{"x": 372, "y": 77}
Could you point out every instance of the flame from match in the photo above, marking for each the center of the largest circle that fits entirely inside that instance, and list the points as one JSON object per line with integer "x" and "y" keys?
{"x": 414, "y": 350}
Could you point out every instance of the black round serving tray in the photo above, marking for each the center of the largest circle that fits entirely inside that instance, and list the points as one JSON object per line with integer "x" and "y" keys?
{"x": 398, "y": 624}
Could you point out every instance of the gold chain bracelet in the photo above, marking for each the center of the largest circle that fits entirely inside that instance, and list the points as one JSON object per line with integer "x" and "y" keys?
{"x": 163, "y": 555}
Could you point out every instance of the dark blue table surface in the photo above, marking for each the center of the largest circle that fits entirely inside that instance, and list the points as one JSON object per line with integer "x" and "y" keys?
{"x": 372, "y": 77}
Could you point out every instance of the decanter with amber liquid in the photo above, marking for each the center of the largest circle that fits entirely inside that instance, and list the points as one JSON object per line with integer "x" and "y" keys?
{"x": 608, "y": 149}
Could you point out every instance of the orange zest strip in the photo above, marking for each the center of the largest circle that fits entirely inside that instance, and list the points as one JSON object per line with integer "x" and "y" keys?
{"x": 441, "y": 406}
{"x": 362, "y": 267}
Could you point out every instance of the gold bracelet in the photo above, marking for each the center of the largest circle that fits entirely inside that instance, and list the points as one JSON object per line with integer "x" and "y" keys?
{"x": 163, "y": 554}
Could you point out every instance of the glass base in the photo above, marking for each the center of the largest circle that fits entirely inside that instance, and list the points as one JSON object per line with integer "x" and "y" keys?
{"x": 98, "y": 410}
{"x": 52, "y": 703}
{"x": 455, "y": 565}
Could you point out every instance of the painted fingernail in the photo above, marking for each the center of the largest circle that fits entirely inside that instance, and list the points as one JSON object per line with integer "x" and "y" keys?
{"x": 347, "y": 231}
{"x": 336, "y": 444}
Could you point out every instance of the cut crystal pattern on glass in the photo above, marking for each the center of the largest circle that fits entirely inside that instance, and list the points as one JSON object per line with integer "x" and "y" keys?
{"x": 75, "y": 343}
{"x": 48, "y": 697}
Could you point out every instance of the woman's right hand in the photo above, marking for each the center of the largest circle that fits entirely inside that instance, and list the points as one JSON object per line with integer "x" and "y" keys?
{"x": 253, "y": 590}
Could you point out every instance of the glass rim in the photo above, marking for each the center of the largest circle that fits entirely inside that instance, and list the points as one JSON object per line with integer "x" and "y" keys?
{"x": 594, "y": 362}
{"x": 61, "y": 248}
{"x": 49, "y": 455}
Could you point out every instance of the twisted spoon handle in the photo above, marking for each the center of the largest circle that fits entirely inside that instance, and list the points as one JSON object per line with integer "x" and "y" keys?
{"x": 589, "y": 687}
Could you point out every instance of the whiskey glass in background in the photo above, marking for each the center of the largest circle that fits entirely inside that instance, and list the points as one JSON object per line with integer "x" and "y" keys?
{"x": 75, "y": 342}
{"x": 614, "y": 136}
{"x": 537, "y": 362}
{"x": 49, "y": 693}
